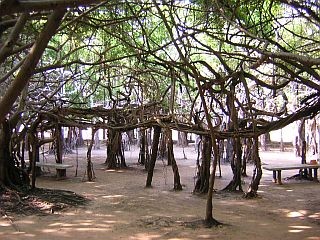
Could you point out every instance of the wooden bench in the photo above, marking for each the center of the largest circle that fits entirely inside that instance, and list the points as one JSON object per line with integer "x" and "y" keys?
{"x": 60, "y": 168}
{"x": 277, "y": 170}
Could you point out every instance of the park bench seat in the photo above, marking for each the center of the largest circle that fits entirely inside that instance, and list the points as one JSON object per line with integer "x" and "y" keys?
{"x": 60, "y": 167}
{"x": 278, "y": 168}
{"x": 54, "y": 165}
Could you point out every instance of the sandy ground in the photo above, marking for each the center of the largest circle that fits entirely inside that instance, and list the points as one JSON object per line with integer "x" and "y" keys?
{"x": 122, "y": 208}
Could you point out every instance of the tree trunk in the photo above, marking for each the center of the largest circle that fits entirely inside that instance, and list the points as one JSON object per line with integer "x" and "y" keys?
{"x": 142, "y": 153}
{"x": 235, "y": 183}
{"x": 257, "y": 172}
{"x": 10, "y": 175}
{"x": 304, "y": 172}
{"x": 144, "y": 157}
{"x": 265, "y": 141}
{"x": 61, "y": 173}
{"x": 301, "y": 136}
{"x": 96, "y": 140}
{"x": 176, "y": 175}
{"x": 35, "y": 171}
{"x": 237, "y": 153}
{"x": 69, "y": 141}
{"x": 247, "y": 156}
{"x": 313, "y": 140}
{"x": 209, "y": 220}
{"x": 182, "y": 139}
{"x": 163, "y": 146}
{"x": 229, "y": 150}
{"x": 4, "y": 154}
{"x": 154, "y": 153}
{"x": 115, "y": 155}
{"x": 203, "y": 174}
{"x": 90, "y": 172}
{"x": 80, "y": 141}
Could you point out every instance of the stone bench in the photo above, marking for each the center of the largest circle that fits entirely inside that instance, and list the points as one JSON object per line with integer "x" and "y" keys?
{"x": 277, "y": 170}
{"x": 60, "y": 168}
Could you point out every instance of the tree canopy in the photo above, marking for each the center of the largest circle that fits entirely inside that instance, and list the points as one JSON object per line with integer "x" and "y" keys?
{"x": 125, "y": 52}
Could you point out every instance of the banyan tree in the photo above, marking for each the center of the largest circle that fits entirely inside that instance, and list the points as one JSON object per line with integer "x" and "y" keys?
{"x": 189, "y": 66}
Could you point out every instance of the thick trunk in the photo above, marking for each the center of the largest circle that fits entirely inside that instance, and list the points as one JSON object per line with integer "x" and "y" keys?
{"x": 203, "y": 174}
{"x": 154, "y": 153}
{"x": 265, "y": 141}
{"x": 4, "y": 153}
{"x": 235, "y": 183}
{"x": 115, "y": 154}
{"x": 10, "y": 175}
{"x": 70, "y": 141}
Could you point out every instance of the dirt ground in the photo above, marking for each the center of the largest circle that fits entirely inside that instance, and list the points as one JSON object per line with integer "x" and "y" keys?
{"x": 120, "y": 207}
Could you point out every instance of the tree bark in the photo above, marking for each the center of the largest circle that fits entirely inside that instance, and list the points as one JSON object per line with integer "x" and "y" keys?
{"x": 209, "y": 220}
{"x": 247, "y": 156}
{"x": 4, "y": 153}
{"x": 163, "y": 146}
{"x": 90, "y": 172}
{"x": 115, "y": 154}
{"x": 203, "y": 174}
{"x": 154, "y": 153}
{"x": 257, "y": 172}
{"x": 61, "y": 173}
{"x": 176, "y": 176}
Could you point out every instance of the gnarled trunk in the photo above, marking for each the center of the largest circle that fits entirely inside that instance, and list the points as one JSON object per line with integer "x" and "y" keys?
{"x": 257, "y": 172}
{"x": 235, "y": 183}
{"x": 10, "y": 175}
{"x": 203, "y": 172}
{"x": 115, "y": 154}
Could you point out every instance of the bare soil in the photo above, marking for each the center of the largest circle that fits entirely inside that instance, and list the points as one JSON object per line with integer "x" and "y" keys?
{"x": 118, "y": 206}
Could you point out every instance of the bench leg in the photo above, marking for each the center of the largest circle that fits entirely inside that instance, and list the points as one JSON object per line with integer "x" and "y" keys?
{"x": 315, "y": 177}
{"x": 279, "y": 177}
{"x": 61, "y": 173}
{"x": 274, "y": 176}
